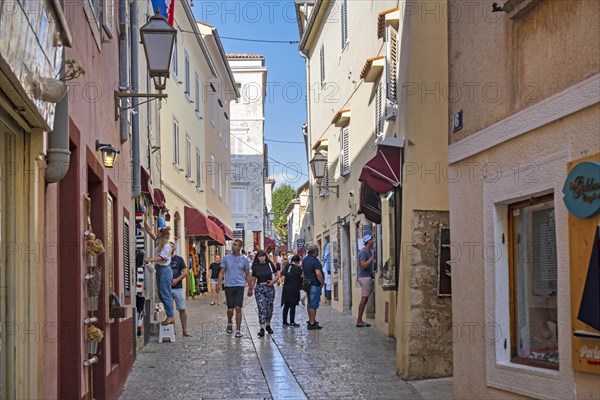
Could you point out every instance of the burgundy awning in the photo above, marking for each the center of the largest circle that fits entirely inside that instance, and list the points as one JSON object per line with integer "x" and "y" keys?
{"x": 146, "y": 185}
{"x": 228, "y": 232}
{"x": 199, "y": 226}
{"x": 384, "y": 171}
{"x": 159, "y": 197}
{"x": 370, "y": 204}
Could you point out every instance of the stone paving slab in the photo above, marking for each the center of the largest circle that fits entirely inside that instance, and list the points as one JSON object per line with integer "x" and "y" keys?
{"x": 338, "y": 362}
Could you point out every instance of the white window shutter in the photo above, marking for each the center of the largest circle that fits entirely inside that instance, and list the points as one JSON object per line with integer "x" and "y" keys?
{"x": 379, "y": 118}
{"x": 322, "y": 59}
{"x": 345, "y": 151}
{"x": 392, "y": 63}
{"x": 344, "y": 23}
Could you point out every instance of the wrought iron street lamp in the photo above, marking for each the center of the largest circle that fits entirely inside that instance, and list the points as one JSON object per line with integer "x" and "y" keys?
{"x": 109, "y": 154}
{"x": 157, "y": 38}
{"x": 317, "y": 165}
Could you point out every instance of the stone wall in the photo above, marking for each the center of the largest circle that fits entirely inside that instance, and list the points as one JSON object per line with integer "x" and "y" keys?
{"x": 430, "y": 339}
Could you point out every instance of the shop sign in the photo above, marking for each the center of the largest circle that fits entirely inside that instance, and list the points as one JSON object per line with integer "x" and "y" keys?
{"x": 582, "y": 190}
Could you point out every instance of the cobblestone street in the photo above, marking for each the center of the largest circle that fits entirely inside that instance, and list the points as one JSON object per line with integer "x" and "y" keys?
{"x": 337, "y": 362}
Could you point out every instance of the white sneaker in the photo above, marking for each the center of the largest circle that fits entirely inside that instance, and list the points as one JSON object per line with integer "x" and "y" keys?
{"x": 238, "y": 334}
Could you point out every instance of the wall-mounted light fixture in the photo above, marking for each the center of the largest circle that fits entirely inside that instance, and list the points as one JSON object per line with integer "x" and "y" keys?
{"x": 109, "y": 154}
{"x": 317, "y": 165}
{"x": 157, "y": 38}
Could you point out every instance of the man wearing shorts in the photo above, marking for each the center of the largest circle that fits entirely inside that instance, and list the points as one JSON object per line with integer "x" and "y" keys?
{"x": 313, "y": 278}
{"x": 235, "y": 273}
{"x": 180, "y": 272}
{"x": 366, "y": 277}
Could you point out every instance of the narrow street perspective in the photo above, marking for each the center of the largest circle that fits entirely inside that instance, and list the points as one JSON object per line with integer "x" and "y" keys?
{"x": 339, "y": 361}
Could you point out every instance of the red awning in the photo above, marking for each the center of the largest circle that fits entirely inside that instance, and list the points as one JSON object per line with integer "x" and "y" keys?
{"x": 384, "y": 172}
{"x": 159, "y": 197}
{"x": 146, "y": 185}
{"x": 228, "y": 232}
{"x": 370, "y": 204}
{"x": 199, "y": 226}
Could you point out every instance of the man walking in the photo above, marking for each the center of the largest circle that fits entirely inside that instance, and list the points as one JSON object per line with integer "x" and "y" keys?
{"x": 313, "y": 278}
{"x": 366, "y": 278}
{"x": 180, "y": 272}
{"x": 235, "y": 273}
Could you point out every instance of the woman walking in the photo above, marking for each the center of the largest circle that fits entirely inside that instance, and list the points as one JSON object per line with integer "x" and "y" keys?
{"x": 292, "y": 282}
{"x": 215, "y": 292}
{"x": 265, "y": 275}
{"x": 164, "y": 275}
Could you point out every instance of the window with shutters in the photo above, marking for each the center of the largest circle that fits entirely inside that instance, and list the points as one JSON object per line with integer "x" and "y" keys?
{"x": 198, "y": 169}
{"x": 322, "y": 60}
{"x": 126, "y": 258}
{"x": 211, "y": 105}
{"x": 220, "y": 175}
{"x": 379, "y": 117}
{"x": 186, "y": 71}
{"x": 213, "y": 172}
{"x": 344, "y": 23}
{"x": 175, "y": 61}
{"x": 197, "y": 98}
{"x": 238, "y": 201}
{"x": 324, "y": 182}
{"x": 345, "y": 151}
{"x": 188, "y": 157}
{"x": 175, "y": 142}
{"x": 391, "y": 63}
{"x": 226, "y": 190}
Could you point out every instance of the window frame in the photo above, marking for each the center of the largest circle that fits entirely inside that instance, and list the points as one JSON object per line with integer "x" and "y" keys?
{"x": 175, "y": 61}
{"x": 213, "y": 177}
{"x": 176, "y": 153}
{"x": 186, "y": 73}
{"x": 513, "y": 284}
{"x": 188, "y": 156}
{"x": 198, "y": 168}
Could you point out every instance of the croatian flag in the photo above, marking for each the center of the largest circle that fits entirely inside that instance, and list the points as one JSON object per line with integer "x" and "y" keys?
{"x": 166, "y": 9}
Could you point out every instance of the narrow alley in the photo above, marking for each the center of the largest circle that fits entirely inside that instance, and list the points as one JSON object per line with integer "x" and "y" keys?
{"x": 337, "y": 362}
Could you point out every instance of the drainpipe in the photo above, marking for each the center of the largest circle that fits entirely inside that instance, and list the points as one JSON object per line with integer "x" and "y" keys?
{"x": 307, "y": 137}
{"x": 136, "y": 187}
{"x": 123, "y": 64}
{"x": 58, "y": 154}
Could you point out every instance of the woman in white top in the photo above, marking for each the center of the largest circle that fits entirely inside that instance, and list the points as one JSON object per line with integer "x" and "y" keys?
{"x": 164, "y": 274}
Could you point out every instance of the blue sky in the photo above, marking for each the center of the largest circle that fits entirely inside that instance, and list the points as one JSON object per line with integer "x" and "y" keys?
{"x": 285, "y": 106}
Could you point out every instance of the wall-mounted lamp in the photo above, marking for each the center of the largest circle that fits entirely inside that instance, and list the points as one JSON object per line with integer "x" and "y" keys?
{"x": 109, "y": 154}
{"x": 317, "y": 165}
{"x": 157, "y": 38}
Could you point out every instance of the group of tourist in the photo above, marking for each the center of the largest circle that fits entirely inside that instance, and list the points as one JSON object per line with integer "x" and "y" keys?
{"x": 260, "y": 273}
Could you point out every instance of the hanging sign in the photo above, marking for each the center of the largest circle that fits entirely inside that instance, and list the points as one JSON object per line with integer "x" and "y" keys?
{"x": 582, "y": 189}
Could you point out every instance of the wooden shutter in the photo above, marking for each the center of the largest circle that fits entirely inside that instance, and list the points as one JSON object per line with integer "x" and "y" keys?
{"x": 322, "y": 59}
{"x": 344, "y": 24}
{"x": 126, "y": 257}
{"x": 344, "y": 151}
{"x": 379, "y": 111}
{"x": 392, "y": 63}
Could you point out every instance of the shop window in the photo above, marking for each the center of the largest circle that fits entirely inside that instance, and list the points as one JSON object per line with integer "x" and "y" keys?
{"x": 533, "y": 282}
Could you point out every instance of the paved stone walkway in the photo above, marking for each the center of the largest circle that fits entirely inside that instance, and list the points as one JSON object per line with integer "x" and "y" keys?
{"x": 338, "y": 362}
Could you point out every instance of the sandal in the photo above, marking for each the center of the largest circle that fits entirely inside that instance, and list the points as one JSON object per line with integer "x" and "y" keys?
{"x": 168, "y": 321}
{"x": 363, "y": 325}
{"x": 187, "y": 334}
{"x": 212, "y": 303}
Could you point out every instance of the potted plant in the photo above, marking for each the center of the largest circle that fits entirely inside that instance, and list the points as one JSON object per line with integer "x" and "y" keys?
{"x": 93, "y": 283}
{"x": 93, "y": 336}
{"x": 93, "y": 247}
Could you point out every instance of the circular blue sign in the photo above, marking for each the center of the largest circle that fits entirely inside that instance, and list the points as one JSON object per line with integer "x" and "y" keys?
{"x": 582, "y": 190}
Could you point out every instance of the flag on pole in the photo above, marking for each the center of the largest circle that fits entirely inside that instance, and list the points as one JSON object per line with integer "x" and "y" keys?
{"x": 166, "y": 9}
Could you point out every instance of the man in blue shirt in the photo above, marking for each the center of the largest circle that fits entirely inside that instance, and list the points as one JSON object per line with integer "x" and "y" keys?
{"x": 180, "y": 272}
{"x": 235, "y": 273}
{"x": 313, "y": 277}
{"x": 366, "y": 277}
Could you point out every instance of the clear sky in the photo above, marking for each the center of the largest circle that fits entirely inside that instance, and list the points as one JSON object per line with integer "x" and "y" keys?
{"x": 285, "y": 104}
